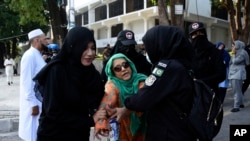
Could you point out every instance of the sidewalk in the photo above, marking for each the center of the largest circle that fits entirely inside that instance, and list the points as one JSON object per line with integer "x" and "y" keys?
{"x": 239, "y": 118}
{"x": 9, "y": 106}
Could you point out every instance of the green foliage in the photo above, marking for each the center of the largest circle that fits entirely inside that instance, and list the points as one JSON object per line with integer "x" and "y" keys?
{"x": 14, "y": 22}
{"x": 9, "y": 20}
{"x": 154, "y": 2}
{"x": 29, "y": 11}
{"x": 217, "y": 3}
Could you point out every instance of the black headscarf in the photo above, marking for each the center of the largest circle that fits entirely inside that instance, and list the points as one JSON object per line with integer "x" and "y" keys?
{"x": 128, "y": 50}
{"x": 70, "y": 54}
{"x": 75, "y": 43}
{"x": 168, "y": 42}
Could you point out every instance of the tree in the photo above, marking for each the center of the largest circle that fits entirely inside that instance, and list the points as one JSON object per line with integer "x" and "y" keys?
{"x": 164, "y": 18}
{"x": 58, "y": 20}
{"x": 22, "y": 19}
{"x": 29, "y": 11}
{"x": 239, "y": 15}
{"x": 162, "y": 11}
{"x": 9, "y": 28}
{"x": 18, "y": 17}
{"x": 42, "y": 13}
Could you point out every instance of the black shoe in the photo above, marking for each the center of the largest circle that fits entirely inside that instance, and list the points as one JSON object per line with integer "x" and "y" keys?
{"x": 242, "y": 106}
{"x": 8, "y": 83}
{"x": 235, "y": 110}
{"x": 11, "y": 82}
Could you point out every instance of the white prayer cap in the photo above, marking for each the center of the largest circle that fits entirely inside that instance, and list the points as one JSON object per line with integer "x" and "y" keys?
{"x": 35, "y": 33}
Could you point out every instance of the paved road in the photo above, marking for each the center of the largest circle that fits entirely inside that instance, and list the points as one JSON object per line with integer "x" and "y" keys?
{"x": 9, "y": 106}
{"x": 239, "y": 118}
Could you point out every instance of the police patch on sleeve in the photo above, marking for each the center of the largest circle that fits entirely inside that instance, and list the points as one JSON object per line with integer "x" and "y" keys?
{"x": 150, "y": 80}
{"x": 158, "y": 71}
{"x": 162, "y": 64}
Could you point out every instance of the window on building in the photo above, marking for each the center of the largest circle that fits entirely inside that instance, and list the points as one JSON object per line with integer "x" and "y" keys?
{"x": 85, "y": 18}
{"x": 134, "y": 5}
{"x": 219, "y": 12}
{"x": 138, "y": 4}
{"x": 116, "y": 8}
{"x": 116, "y": 29}
{"x": 101, "y": 13}
{"x": 156, "y": 21}
{"x": 78, "y": 20}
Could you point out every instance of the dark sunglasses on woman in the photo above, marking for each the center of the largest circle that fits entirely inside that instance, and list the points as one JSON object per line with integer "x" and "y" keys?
{"x": 118, "y": 68}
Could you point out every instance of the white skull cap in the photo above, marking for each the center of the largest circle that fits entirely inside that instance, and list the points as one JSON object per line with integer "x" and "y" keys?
{"x": 35, "y": 33}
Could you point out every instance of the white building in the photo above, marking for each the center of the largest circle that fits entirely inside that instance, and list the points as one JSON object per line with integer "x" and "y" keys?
{"x": 107, "y": 17}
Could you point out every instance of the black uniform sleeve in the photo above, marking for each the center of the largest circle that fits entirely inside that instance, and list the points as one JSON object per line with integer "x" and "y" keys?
{"x": 160, "y": 85}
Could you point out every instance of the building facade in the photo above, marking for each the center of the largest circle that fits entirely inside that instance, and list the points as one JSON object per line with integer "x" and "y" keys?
{"x": 108, "y": 17}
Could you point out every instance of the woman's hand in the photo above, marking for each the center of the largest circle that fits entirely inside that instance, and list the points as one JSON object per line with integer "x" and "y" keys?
{"x": 100, "y": 115}
{"x": 101, "y": 132}
{"x": 35, "y": 111}
{"x": 233, "y": 50}
{"x": 119, "y": 113}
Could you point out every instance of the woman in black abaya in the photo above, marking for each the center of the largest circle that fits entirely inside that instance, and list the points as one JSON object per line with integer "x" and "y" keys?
{"x": 72, "y": 89}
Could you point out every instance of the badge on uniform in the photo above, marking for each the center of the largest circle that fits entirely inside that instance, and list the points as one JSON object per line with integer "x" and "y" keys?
{"x": 150, "y": 80}
{"x": 162, "y": 64}
{"x": 158, "y": 71}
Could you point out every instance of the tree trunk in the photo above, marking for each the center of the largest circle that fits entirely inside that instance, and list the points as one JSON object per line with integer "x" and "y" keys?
{"x": 59, "y": 31}
{"x": 2, "y": 51}
{"x": 7, "y": 47}
{"x": 238, "y": 19}
{"x": 231, "y": 11}
{"x": 246, "y": 28}
{"x": 163, "y": 15}
{"x": 176, "y": 20}
{"x": 14, "y": 47}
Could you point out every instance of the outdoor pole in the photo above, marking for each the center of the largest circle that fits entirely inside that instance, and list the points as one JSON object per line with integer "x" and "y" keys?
{"x": 71, "y": 15}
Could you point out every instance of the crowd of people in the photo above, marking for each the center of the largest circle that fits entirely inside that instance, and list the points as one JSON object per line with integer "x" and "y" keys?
{"x": 133, "y": 88}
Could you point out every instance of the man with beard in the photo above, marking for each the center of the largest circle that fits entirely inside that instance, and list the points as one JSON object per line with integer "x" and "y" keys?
{"x": 208, "y": 62}
{"x": 31, "y": 63}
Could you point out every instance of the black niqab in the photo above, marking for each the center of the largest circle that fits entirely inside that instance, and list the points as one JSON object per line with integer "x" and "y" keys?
{"x": 201, "y": 46}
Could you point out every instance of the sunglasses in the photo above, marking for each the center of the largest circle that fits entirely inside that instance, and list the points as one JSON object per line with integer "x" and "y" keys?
{"x": 118, "y": 68}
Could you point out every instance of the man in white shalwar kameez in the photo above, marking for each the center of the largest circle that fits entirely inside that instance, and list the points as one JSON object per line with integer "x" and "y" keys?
{"x": 9, "y": 70}
{"x": 30, "y": 107}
